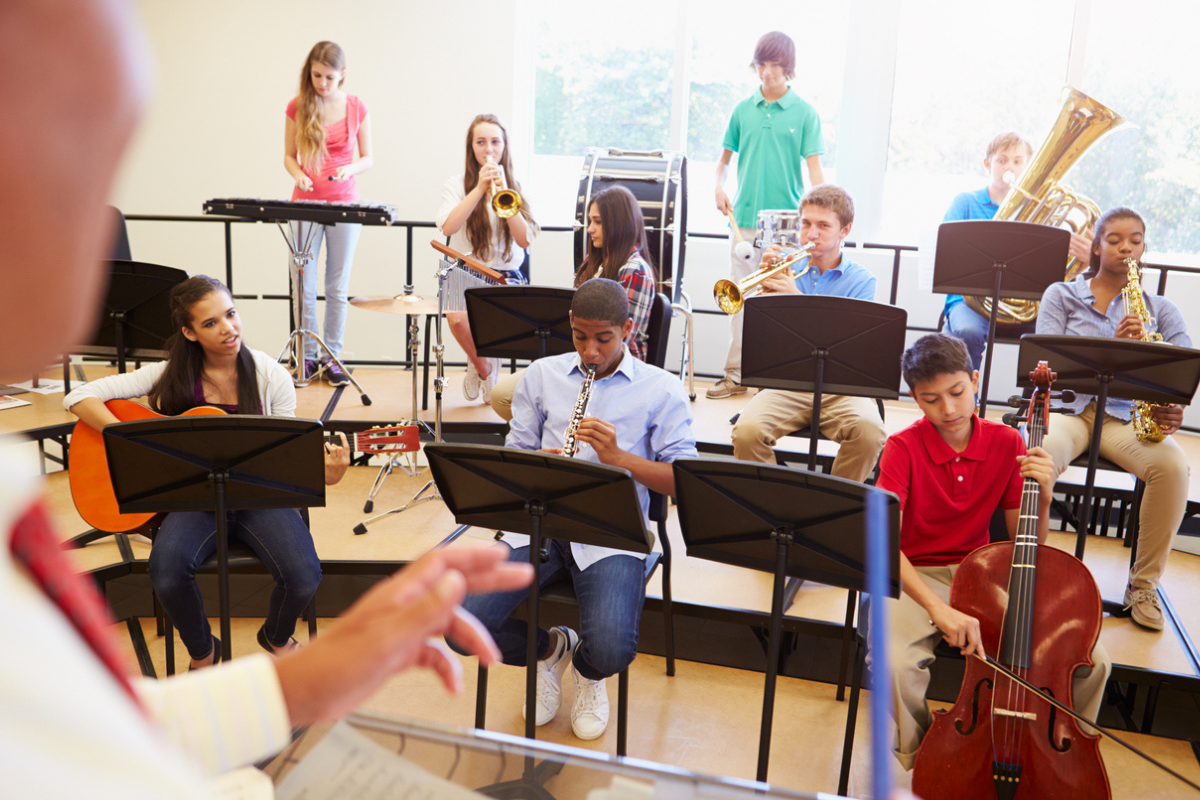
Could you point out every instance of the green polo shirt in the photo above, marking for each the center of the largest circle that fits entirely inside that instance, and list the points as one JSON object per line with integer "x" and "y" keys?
{"x": 771, "y": 140}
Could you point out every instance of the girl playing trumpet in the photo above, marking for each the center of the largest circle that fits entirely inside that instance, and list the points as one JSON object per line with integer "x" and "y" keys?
{"x": 475, "y": 228}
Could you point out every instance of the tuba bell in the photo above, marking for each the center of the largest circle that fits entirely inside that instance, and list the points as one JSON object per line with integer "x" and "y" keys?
{"x": 1039, "y": 197}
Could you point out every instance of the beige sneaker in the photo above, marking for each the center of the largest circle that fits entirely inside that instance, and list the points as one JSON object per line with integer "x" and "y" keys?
{"x": 724, "y": 388}
{"x": 1143, "y": 607}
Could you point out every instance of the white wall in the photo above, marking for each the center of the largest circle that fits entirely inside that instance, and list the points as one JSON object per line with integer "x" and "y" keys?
{"x": 226, "y": 69}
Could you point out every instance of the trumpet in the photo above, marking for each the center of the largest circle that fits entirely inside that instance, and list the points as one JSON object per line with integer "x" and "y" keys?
{"x": 505, "y": 201}
{"x": 730, "y": 296}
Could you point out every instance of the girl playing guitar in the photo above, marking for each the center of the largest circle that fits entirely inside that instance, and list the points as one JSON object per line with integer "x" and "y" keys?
{"x": 208, "y": 365}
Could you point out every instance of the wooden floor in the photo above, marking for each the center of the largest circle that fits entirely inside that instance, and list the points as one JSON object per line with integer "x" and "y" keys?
{"x": 706, "y": 717}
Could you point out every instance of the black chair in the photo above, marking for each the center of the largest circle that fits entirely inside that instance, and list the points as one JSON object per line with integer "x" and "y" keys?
{"x": 564, "y": 592}
{"x": 658, "y": 330}
{"x": 241, "y": 560}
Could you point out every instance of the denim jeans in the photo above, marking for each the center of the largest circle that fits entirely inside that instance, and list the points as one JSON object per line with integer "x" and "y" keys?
{"x": 277, "y": 536}
{"x": 972, "y": 327}
{"x": 610, "y": 593}
{"x": 340, "y": 242}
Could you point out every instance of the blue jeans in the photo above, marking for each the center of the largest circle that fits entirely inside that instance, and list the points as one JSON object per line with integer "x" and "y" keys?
{"x": 972, "y": 327}
{"x": 280, "y": 539}
{"x": 340, "y": 242}
{"x": 610, "y": 592}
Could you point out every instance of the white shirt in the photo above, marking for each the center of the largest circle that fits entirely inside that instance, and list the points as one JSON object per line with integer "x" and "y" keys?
{"x": 453, "y": 194}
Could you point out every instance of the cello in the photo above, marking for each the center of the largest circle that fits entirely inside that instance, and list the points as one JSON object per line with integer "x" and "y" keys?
{"x": 1038, "y": 609}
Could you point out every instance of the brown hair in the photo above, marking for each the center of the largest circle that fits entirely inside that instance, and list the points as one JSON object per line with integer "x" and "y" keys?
{"x": 933, "y": 355}
{"x": 175, "y": 390}
{"x": 833, "y": 198}
{"x": 778, "y": 47}
{"x": 624, "y": 231}
{"x": 1006, "y": 141}
{"x": 310, "y": 107}
{"x": 1112, "y": 215}
{"x": 479, "y": 224}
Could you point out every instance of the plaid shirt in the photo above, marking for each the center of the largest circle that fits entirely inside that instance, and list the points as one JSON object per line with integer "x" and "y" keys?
{"x": 638, "y": 280}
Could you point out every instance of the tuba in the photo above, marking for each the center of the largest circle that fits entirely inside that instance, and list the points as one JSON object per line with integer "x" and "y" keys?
{"x": 1039, "y": 196}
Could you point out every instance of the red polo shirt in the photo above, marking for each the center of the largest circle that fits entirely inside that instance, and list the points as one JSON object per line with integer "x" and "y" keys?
{"x": 948, "y": 498}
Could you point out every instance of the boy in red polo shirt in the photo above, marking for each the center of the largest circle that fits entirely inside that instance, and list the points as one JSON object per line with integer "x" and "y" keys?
{"x": 951, "y": 471}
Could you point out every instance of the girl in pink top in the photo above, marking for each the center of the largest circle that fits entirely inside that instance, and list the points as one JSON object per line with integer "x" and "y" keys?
{"x": 323, "y": 126}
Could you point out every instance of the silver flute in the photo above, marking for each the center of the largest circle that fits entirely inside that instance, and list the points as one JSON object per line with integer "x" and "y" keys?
{"x": 570, "y": 443}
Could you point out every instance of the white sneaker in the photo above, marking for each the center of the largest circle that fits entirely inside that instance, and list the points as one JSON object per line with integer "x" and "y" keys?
{"x": 471, "y": 383}
{"x": 549, "y": 676}
{"x": 589, "y": 713}
{"x": 485, "y": 387}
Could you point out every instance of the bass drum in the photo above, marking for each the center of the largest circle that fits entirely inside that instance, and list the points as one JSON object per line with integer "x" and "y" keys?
{"x": 658, "y": 179}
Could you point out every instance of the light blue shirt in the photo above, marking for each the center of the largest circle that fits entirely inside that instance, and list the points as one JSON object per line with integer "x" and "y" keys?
{"x": 645, "y": 404}
{"x": 1069, "y": 308}
{"x": 847, "y": 279}
{"x": 969, "y": 205}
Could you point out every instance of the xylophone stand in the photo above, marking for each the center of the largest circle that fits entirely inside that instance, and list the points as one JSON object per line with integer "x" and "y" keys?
{"x": 414, "y": 338}
{"x": 301, "y": 257}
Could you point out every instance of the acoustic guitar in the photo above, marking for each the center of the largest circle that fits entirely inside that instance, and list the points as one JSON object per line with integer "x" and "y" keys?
{"x": 91, "y": 484}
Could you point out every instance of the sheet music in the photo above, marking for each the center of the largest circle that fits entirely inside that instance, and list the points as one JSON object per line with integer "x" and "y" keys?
{"x": 347, "y": 764}
{"x": 246, "y": 783}
{"x": 44, "y": 386}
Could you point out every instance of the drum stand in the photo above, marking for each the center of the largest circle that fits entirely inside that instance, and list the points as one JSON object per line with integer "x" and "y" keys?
{"x": 439, "y": 383}
{"x": 684, "y": 307}
{"x": 301, "y": 257}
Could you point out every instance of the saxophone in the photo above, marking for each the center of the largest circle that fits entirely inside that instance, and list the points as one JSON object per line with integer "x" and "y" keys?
{"x": 570, "y": 444}
{"x": 1144, "y": 426}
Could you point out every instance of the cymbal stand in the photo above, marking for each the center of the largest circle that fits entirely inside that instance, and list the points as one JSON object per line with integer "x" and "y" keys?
{"x": 414, "y": 338}
{"x": 300, "y": 250}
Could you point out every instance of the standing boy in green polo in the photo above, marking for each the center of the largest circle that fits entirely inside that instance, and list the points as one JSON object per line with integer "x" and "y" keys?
{"x": 772, "y": 131}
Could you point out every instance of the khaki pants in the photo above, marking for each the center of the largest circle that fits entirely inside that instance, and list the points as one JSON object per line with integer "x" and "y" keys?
{"x": 502, "y": 394}
{"x": 1163, "y": 467}
{"x": 852, "y": 422}
{"x": 910, "y": 650}
{"x": 738, "y": 270}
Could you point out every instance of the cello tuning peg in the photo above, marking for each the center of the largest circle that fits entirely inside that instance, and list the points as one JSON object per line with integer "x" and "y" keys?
{"x": 1062, "y": 410}
{"x": 1067, "y": 396}
{"x": 1017, "y": 401}
{"x": 1012, "y": 419}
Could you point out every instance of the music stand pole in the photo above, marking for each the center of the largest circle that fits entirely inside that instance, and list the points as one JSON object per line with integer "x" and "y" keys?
{"x": 300, "y": 258}
{"x": 783, "y": 541}
{"x": 814, "y": 428}
{"x": 991, "y": 342}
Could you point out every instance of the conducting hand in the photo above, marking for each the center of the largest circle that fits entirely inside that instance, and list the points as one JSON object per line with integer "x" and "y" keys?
{"x": 1169, "y": 417}
{"x": 337, "y": 460}
{"x": 391, "y": 628}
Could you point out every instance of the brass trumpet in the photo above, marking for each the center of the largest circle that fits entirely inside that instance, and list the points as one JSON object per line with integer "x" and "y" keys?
{"x": 730, "y": 296}
{"x": 505, "y": 201}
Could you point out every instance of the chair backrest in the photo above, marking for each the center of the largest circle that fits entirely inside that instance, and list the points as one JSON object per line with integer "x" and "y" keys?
{"x": 658, "y": 330}
{"x": 120, "y": 244}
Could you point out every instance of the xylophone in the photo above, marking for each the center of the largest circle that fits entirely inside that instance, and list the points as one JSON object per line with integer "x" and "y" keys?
{"x": 302, "y": 210}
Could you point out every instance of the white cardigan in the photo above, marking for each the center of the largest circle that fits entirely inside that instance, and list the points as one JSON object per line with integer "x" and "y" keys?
{"x": 275, "y": 390}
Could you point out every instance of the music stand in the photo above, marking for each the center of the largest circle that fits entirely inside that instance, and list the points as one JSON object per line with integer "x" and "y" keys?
{"x": 545, "y": 496}
{"x": 814, "y": 343}
{"x": 528, "y": 322}
{"x": 1106, "y": 367}
{"x": 136, "y": 320}
{"x": 219, "y": 464}
{"x": 993, "y": 256}
{"x": 790, "y": 523}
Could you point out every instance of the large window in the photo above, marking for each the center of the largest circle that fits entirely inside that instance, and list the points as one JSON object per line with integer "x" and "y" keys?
{"x": 1144, "y": 67}
{"x": 965, "y": 72}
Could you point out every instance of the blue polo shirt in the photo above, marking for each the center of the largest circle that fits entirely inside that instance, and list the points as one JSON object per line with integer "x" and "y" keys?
{"x": 771, "y": 139}
{"x": 969, "y": 205}
{"x": 847, "y": 279}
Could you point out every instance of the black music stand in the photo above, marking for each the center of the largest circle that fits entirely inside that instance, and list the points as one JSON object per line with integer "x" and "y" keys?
{"x": 814, "y": 343}
{"x": 136, "y": 320}
{"x": 529, "y": 322}
{"x": 1108, "y": 367}
{"x": 218, "y": 464}
{"x": 997, "y": 258}
{"x": 545, "y": 496}
{"x": 790, "y": 523}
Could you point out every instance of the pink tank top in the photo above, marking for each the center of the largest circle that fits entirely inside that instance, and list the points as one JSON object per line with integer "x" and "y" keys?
{"x": 340, "y": 138}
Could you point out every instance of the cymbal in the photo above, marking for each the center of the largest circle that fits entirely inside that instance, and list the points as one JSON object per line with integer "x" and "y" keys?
{"x": 398, "y": 304}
